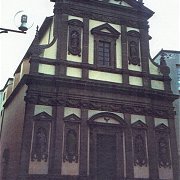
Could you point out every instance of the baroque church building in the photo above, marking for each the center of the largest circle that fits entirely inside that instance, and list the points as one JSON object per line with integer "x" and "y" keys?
{"x": 87, "y": 102}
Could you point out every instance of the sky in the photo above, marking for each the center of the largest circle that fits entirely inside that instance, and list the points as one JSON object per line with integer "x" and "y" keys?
{"x": 164, "y": 29}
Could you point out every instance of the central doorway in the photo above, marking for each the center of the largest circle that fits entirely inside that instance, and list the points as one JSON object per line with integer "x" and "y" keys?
{"x": 106, "y": 157}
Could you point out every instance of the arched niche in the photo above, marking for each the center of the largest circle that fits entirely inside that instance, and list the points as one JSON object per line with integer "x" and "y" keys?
{"x": 107, "y": 118}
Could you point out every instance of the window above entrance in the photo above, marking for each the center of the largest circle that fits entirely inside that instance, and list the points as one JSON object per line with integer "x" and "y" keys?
{"x": 105, "y": 37}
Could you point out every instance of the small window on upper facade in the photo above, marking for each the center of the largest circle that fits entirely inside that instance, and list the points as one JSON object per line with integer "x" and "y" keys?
{"x": 105, "y": 37}
{"x": 104, "y": 50}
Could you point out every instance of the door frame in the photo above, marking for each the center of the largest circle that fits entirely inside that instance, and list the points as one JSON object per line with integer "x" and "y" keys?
{"x": 106, "y": 129}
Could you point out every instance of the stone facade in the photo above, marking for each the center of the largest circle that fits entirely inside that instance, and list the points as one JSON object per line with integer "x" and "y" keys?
{"x": 88, "y": 102}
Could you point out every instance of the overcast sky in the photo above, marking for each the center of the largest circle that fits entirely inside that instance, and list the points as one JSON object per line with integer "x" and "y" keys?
{"x": 164, "y": 29}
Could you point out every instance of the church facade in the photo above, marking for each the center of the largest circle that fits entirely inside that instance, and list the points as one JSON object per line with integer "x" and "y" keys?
{"x": 87, "y": 102}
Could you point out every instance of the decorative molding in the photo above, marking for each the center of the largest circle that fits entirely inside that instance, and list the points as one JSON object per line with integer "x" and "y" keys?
{"x": 40, "y": 143}
{"x": 99, "y": 30}
{"x": 139, "y": 125}
{"x": 118, "y": 19}
{"x": 107, "y": 116}
{"x": 139, "y": 143}
{"x": 72, "y": 118}
{"x": 43, "y": 116}
{"x": 71, "y": 138}
{"x": 163, "y": 146}
{"x": 74, "y": 44}
{"x": 95, "y": 105}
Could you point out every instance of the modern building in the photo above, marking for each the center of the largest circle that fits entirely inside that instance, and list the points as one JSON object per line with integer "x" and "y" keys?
{"x": 87, "y": 102}
{"x": 172, "y": 59}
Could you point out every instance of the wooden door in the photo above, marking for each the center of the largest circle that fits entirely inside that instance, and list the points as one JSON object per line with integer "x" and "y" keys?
{"x": 106, "y": 157}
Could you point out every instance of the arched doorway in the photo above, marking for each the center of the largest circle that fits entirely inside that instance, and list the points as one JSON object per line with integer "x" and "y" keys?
{"x": 106, "y": 146}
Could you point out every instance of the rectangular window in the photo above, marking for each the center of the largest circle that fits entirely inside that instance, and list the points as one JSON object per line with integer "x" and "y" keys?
{"x": 104, "y": 49}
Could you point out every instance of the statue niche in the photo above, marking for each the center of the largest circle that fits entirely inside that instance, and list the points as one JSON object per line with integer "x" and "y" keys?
{"x": 74, "y": 42}
{"x": 164, "y": 157}
{"x": 40, "y": 146}
{"x": 139, "y": 151}
{"x": 133, "y": 48}
{"x": 71, "y": 146}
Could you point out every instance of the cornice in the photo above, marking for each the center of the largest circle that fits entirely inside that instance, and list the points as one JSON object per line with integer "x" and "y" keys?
{"x": 103, "y": 12}
{"x": 101, "y": 86}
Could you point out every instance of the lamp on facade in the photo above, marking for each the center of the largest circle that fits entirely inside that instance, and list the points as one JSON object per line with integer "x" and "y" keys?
{"x": 21, "y": 21}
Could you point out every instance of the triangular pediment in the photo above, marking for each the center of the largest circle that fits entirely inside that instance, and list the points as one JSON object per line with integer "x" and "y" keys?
{"x": 105, "y": 29}
{"x": 43, "y": 116}
{"x": 162, "y": 128}
{"x": 139, "y": 124}
{"x": 72, "y": 118}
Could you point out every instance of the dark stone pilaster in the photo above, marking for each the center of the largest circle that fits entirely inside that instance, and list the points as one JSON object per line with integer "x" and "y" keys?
{"x": 83, "y": 143}
{"x": 174, "y": 154}
{"x": 167, "y": 84}
{"x": 144, "y": 44}
{"x": 128, "y": 148}
{"x": 26, "y": 139}
{"x": 85, "y": 48}
{"x": 120, "y": 155}
{"x": 62, "y": 32}
{"x": 34, "y": 63}
{"x": 152, "y": 150}
{"x": 124, "y": 54}
{"x": 58, "y": 141}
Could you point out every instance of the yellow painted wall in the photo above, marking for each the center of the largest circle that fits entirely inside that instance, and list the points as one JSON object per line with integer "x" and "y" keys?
{"x": 104, "y": 76}
{"x": 25, "y": 66}
{"x": 93, "y": 24}
{"x": 46, "y": 69}
{"x": 68, "y": 111}
{"x": 135, "y": 118}
{"x": 157, "y": 84}
{"x": 165, "y": 173}
{"x": 159, "y": 121}
{"x": 43, "y": 108}
{"x": 153, "y": 69}
{"x": 50, "y": 52}
{"x": 134, "y": 68}
{"x": 137, "y": 81}
{"x": 16, "y": 80}
{"x": 74, "y": 72}
{"x": 141, "y": 172}
{"x": 48, "y": 37}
